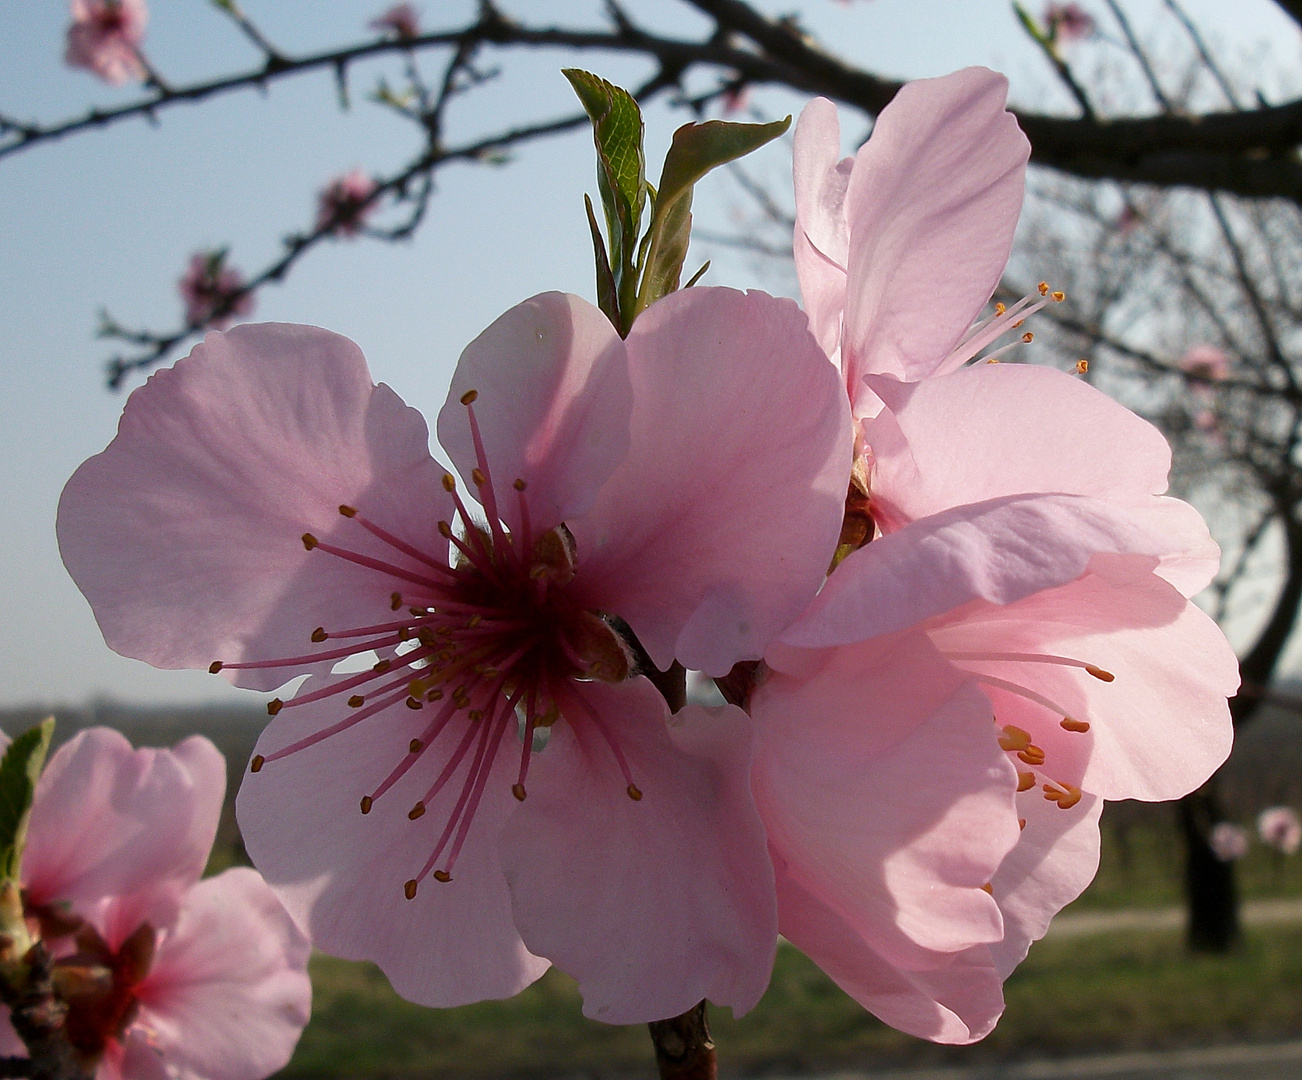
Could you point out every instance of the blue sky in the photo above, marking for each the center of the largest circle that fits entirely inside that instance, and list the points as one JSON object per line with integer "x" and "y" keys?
{"x": 108, "y": 220}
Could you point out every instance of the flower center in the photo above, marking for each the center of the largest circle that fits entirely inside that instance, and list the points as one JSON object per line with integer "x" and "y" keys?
{"x": 488, "y": 644}
{"x": 99, "y": 986}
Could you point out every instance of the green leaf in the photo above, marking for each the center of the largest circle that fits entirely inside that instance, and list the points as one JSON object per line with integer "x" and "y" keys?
{"x": 621, "y": 168}
{"x": 1031, "y": 26}
{"x": 19, "y": 770}
{"x": 607, "y": 295}
{"x": 696, "y": 150}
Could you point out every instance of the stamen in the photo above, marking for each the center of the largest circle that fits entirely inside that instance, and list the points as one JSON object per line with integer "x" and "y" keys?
{"x": 312, "y": 658}
{"x": 427, "y": 737}
{"x": 480, "y": 783}
{"x": 632, "y": 789}
{"x": 1031, "y": 658}
{"x": 1020, "y": 691}
{"x": 397, "y": 544}
{"x": 1065, "y": 795}
{"x": 484, "y": 480}
{"x": 477, "y": 559}
{"x": 406, "y": 660}
{"x": 334, "y": 729}
{"x": 526, "y": 531}
{"x": 1025, "y": 781}
{"x": 1082, "y": 366}
{"x": 1068, "y": 724}
{"x": 373, "y": 564}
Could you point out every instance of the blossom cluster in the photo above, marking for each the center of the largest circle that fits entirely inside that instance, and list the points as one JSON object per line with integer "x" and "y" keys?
{"x": 948, "y": 601}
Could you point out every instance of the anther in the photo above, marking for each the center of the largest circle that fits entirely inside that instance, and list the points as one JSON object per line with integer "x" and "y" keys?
{"x": 634, "y": 793}
{"x": 409, "y": 890}
{"x": 1014, "y": 738}
{"x": 1032, "y": 755}
{"x": 475, "y": 715}
{"x": 478, "y": 477}
{"x": 256, "y": 764}
{"x": 1021, "y": 823}
{"x": 443, "y": 876}
{"x": 1025, "y": 780}
{"x": 434, "y": 695}
{"x": 1044, "y": 288}
{"x": 1065, "y": 795}
{"x": 414, "y": 746}
{"x": 356, "y": 701}
{"x": 416, "y": 811}
{"x": 449, "y": 482}
{"x": 395, "y": 601}
{"x": 348, "y": 511}
{"x": 468, "y": 398}
{"x": 214, "y": 667}
{"x": 1068, "y": 724}
{"x": 445, "y": 530}
{"x": 519, "y": 484}
{"x": 474, "y": 621}
{"x": 518, "y": 791}
{"x": 988, "y": 889}
{"x": 309, "y": 541}
{"x": 1082, "y": 366}
{"x": 1099, "y": 673}
{"x": 1058, "y": 297}
{"x": 367, "y": 803}
{"x": 413, "y": 703}
{"x": 1000, "y": 309}
{"x": 319, "y": 635}
{"x": 1018, "y": 324}
{"x": 404, "y": 633}
{"x": 382, "y": 666}
{"x": 274, "y": 706}
{"x": 1028, "y": 337}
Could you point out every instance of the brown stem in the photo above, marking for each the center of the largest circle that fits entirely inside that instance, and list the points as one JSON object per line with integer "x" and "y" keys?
{"x": 38, "y": 1017}
{"x": 684, "y": 1049}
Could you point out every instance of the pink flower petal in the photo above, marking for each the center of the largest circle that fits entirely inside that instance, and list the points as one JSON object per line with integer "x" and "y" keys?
{"x": 1160, "y": 728}
{"x": 718, "y": 527}
{"x": 821, "y": 235}
{"x": 185, "y": 534}
{"x": 228, "y": 994}
{"x": 884, "y": 792}
{"x": 1055, "y": 858}
{"x": 553, "y": 407}
{"x": 341, "y": 873}
{"x": 120, "y": 833}
{"x": 948, "y": 998}
{"x": 993, "y": 430}
{"x": 1000, "y": 551}
{"x": 932, "y": 205}
{"x": 678, "y": 884}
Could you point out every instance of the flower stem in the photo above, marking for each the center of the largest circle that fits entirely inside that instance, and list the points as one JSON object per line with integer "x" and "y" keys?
{"x": 684, "y": 1049}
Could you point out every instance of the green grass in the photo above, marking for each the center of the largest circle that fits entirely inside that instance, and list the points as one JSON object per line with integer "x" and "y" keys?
{"x": 1073, "y": 996}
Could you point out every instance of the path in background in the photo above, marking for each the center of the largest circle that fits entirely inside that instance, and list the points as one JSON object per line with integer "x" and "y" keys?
{"x": 1083, "y": 923}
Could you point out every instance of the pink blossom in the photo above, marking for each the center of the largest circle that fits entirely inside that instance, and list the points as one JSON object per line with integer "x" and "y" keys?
{"x": 343, "y": 206}
{"x": 209, "y": 978}
{"x": 1229, "y": 842}
{"x": 208, "y": 285}
{"x": 1281, "y": 828}
{"x": 1026, "y": 568}
{"x": 105, "y": 37}
{"x": 401, "y": 20}
{"x": 1206, "y": 362}
{"x": 263, "y": 500}
{"x": 1067, "y": 23}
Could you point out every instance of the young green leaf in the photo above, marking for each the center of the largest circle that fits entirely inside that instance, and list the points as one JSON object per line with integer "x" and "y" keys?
{"x": 19, "y": 770}
{"x": 696, "y": 149}
{"x": 607, "y": 295}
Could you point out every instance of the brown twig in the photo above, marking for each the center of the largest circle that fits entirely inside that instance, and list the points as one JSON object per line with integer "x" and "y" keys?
{"x": 684, "y": 1049}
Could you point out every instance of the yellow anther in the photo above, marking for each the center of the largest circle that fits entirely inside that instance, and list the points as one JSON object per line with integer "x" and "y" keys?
{"x": 367, "y": 803}
{"x": 356, "y": 701}
{"x": 309, "y": 541}
{"x": 468, "y": 398}
{"x": 1000, "y": 309}
{"x": 416, "y": 811}
{"x": 434, "y": 695}
{"x": 1065, "y": 795}
{"x": 348, "y": 511}
{"x": 395, "y": 601}
{"x": 1058, "y": 297}
{"x": 443, "y": 876}
{"x": 1044, "y": 288}
{"x": 993, "y": 360}
{"x": 1025, "y": 780}
{"x": 319, "y": 635}
{"x": 414, "y": 703}
{"x": 414, "y": 746}
{"x": 634, "y": 793}
{"x": 382, "y": 666}
{"x": 478, "y": 477}
{"x": 1032, "y": 755}
{"x": 1018, "y": 323}
{"x": 475, "y": 715}
{"x": 1021, "y": 823}
{"x": 1068, "y": 724}
{"x": 1014, "y": 738}
{"x": 1028, "y": 337}
{"x": 519, "y": 484}
{"x": 274, "y": 706}
{"x": 256, "y": 764}
{"x": 518, "y": 791}
{"x": 988, "y": 888}
{"x": 409, "y": 889}
{"x": 445, "y": 530}
{"x": 214, "y": 667}
{"x": 1099, "y": 673}
{"x": 474, "y": 621}
{"x": 449, "y": 482}
{"x": 1082, "y": 366}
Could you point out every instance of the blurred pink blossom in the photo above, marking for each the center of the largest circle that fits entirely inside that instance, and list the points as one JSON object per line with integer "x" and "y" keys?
{"x": 1128, "y": 220}
{"x": 1229, "y": 842}
{"x": 1206, "y": 362}
{"x": 1281, "y": 828}
{"x": 104, "y": 37}
{"x": 266, "y": 510}
{"x": 342, "y": 207}
{"x": 207, "y": 285}
{"x": 401, "y": 20}
{"x": 1067, "y": 23}
{"x": 208, "y": 978}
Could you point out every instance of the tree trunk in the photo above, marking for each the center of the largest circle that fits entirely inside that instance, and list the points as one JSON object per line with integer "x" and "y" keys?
{"x": 684, "y": 1050}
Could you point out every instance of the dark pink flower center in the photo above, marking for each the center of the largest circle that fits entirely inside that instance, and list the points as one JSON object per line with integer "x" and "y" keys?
{"x": 99, "y": 986}
{"x": 490, "y": 645}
